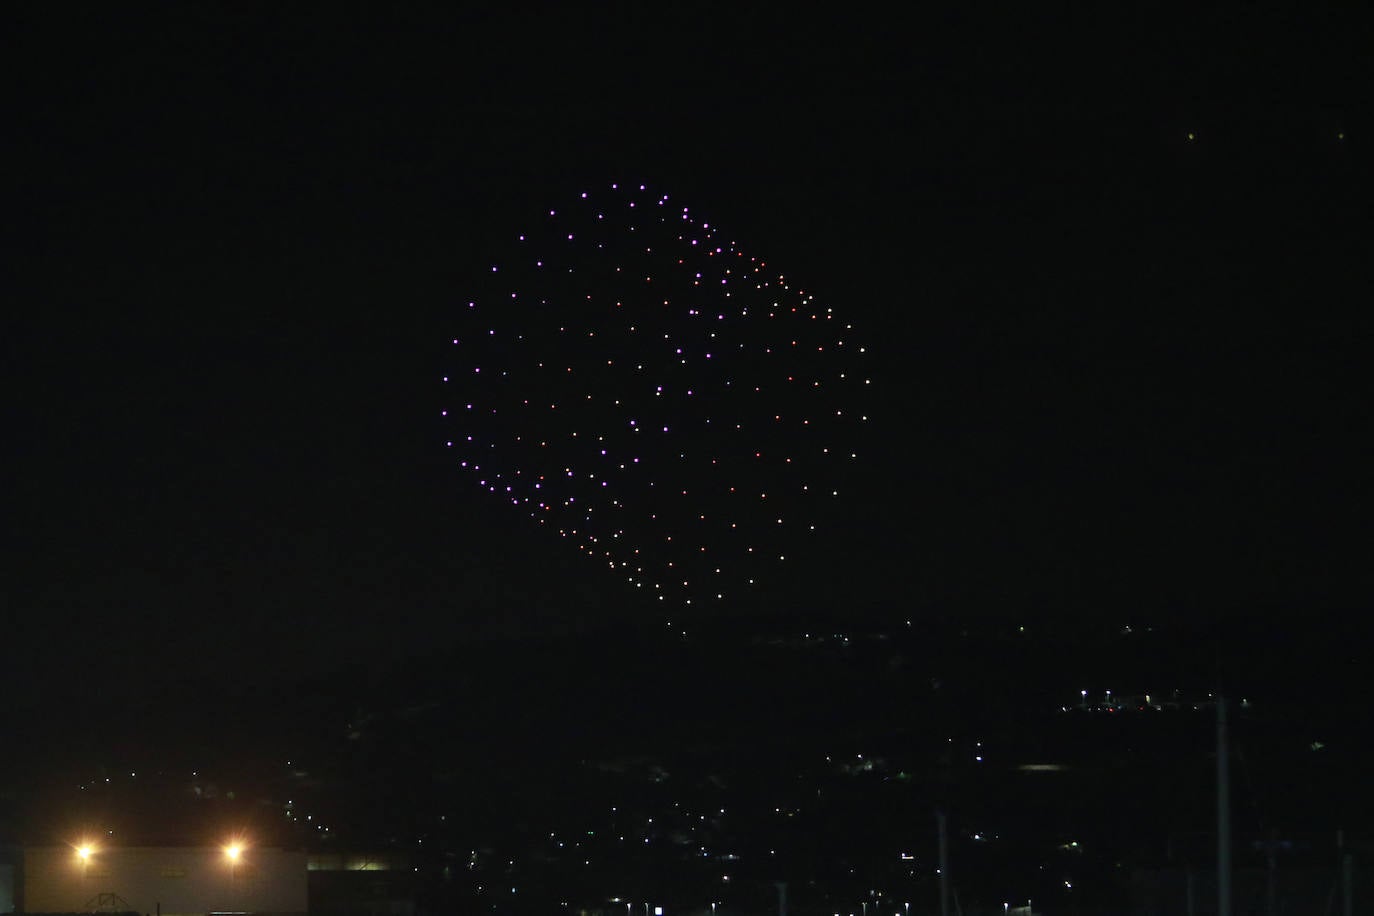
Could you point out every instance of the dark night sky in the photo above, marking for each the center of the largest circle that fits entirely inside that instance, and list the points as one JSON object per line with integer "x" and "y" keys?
{"x": 1121, "y": 372}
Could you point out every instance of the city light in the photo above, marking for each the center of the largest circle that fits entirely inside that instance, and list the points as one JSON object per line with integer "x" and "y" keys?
{"x": 233, "y": 851}
{"x": 84, "y": 851}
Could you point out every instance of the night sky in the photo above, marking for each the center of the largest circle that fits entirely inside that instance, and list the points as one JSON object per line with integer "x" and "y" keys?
{"x": 1111, "y": 273}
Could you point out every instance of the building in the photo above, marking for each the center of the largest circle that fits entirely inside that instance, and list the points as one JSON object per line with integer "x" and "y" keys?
{"x": 362, "y": 884}
{"x": 166, "y": 880}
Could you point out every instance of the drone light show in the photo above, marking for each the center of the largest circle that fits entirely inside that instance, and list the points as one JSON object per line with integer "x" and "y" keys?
{"x": 680, "y": 411}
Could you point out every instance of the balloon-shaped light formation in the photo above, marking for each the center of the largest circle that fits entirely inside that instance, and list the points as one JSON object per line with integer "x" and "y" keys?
{"x": 679, "y": 410}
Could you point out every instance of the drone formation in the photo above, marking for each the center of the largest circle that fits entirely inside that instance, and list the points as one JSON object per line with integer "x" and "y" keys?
{"x": 680, "y": 412}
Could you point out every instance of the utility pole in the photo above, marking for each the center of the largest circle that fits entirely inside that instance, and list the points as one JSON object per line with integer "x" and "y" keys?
{"x": 1348, "y": 884}
{"x": 944, "y": 861}
{"x": 1223, "y": 812}
{"x": 1271, "y": 884}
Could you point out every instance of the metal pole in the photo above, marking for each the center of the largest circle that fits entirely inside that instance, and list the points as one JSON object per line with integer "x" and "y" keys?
{"x": 944, "y": 863}
{"x": 1347, "y": 885}
{"x": 1270, "y": 887}
{"x": 1223, "y": 813}
{"x": 1188, "y": 891}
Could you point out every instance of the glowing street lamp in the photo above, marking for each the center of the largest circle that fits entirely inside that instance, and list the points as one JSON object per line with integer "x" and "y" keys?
{"x": 233, "y": 852}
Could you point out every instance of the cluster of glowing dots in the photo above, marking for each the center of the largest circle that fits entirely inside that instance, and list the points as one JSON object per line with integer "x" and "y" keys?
{"x": 677, "y": 409}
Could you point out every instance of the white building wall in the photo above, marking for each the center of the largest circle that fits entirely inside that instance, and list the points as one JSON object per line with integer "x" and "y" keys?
{"x": 174, "y": 880}
{"x": 6, "y": 888}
